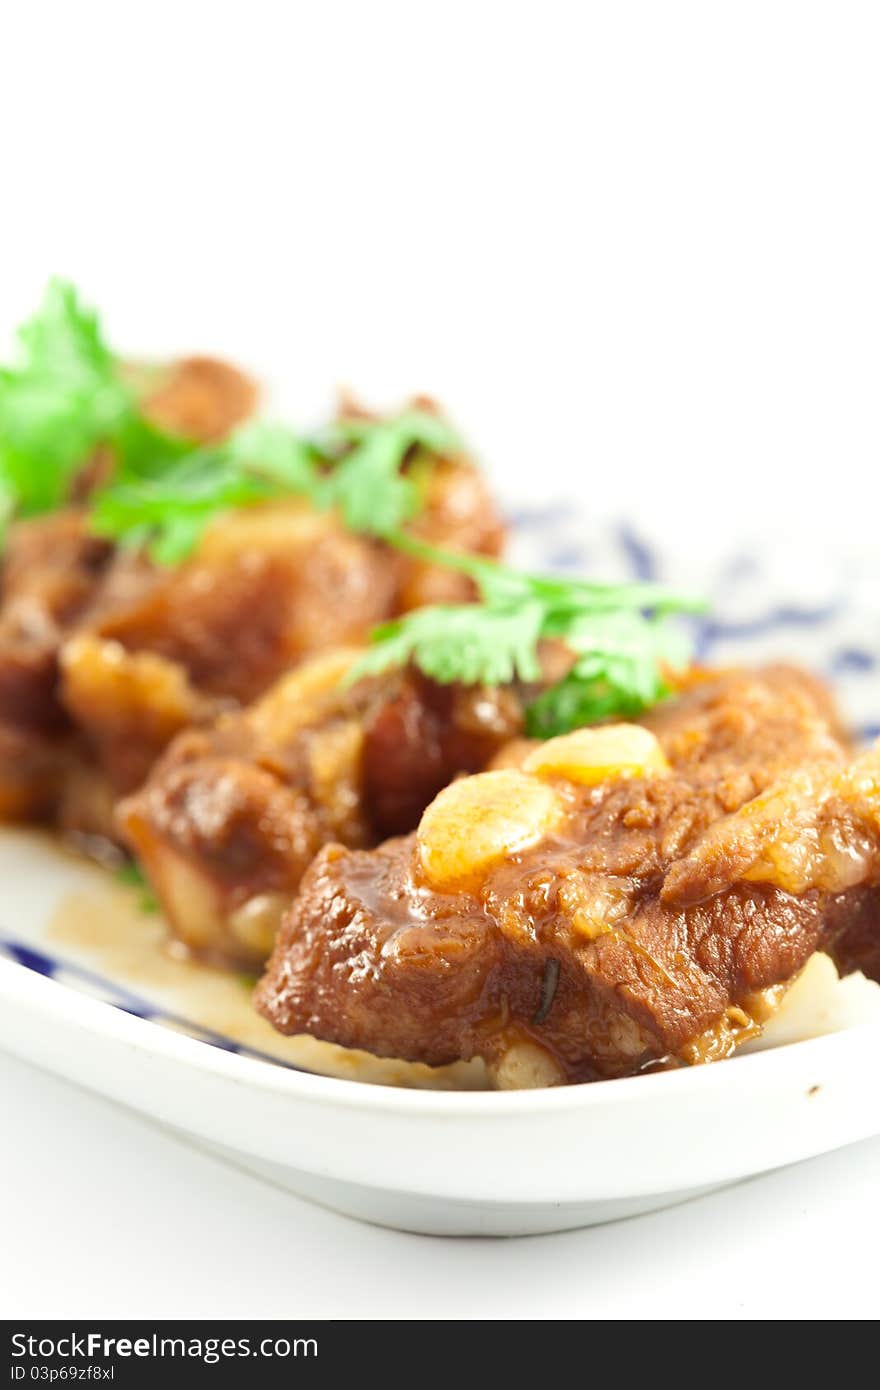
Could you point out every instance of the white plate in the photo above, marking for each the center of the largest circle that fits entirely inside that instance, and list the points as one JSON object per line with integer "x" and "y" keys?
{"x": 467, "y": 1163}
{"x": 87, "y": 990}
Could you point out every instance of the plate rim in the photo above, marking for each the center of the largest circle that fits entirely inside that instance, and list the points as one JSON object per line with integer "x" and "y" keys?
{"x": 20, "y": 985}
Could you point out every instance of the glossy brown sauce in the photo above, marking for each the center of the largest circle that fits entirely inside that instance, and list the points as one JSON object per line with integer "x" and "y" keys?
{"x": 102, "y": 927}
{"x": 106, "y": 929}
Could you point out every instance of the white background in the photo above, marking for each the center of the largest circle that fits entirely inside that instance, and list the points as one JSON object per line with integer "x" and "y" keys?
{"x": 636, "y": 249}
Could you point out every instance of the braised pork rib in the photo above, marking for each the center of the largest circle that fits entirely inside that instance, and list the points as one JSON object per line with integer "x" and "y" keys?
{"x": 615, "y": 904}
{"x": 233, "y": 814}
{"x": 105, "y": 657}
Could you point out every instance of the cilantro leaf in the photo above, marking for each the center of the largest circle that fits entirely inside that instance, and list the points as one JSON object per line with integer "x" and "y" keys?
{"x": 620, "y": 670}
{"x": 67, "y": 396}
{"x": 355, "y": 467}
{"x": 620, "y": 637}
{"x": 170, "y": 513}
{"x": 57, "y": 403}
{"x": 62, "y": 398}
{"x": 132, "y": 875}
{"x": 459, "y": 642}
{"x": 366, "y": 482}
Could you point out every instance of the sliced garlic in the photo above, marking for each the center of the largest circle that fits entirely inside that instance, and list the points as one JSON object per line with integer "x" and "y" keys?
{"x": 476, "y": 822}
{"x": 296, "y": 699}
{"x": 280, "y": 527}
{"x": 255, "y": 924}
{"x": 589, "y": 756}
{"x": 525, "y": 1066}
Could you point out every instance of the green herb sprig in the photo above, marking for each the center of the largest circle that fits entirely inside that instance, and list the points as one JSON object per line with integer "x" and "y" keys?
{"x": 132, "y": 875}
{"x": 365, "y": 480}
{"x": 168, "y": 514}
{"x": 67, "y": 395}
{"x": 356, "y": 467}
{"x": 622, "y": 641}
{"x": 63, "y": 397}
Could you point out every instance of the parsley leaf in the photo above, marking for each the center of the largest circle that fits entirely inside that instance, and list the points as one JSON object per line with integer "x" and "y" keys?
{"x": 620, "y": 637}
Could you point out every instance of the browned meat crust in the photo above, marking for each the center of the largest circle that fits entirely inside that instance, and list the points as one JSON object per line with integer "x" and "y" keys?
{"x": 51, "y": 570}
{"x": 104, "y": 658}
{"x": 853, "y": 933}
{"x": 419, "y": 735}
{"x": 233, "y": 814}
{"x": 198, "y": 397}
{"x": 56, "y": 574}
{"x": 648, "y": 925}
{"x": 268, "y": 587}
{"x": 459, "y": 514}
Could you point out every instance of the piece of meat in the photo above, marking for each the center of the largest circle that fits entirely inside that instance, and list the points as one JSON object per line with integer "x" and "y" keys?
{"x": 457, "y": 512}
{"x": 853, "y": 933}
{"x": 105, "y": 657}
{"x": 581, "y": 919}
{"x": 55, "y": 572}
{"x": 51, "y": 569}
{"x": 234, "y": 813}
{"x": 32, "y": 768}
{"x": 131, "y": 704}
{"x": 419, "y": 735}
{"x": 267, "y": 587}
{"x": 198, "y": 398}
